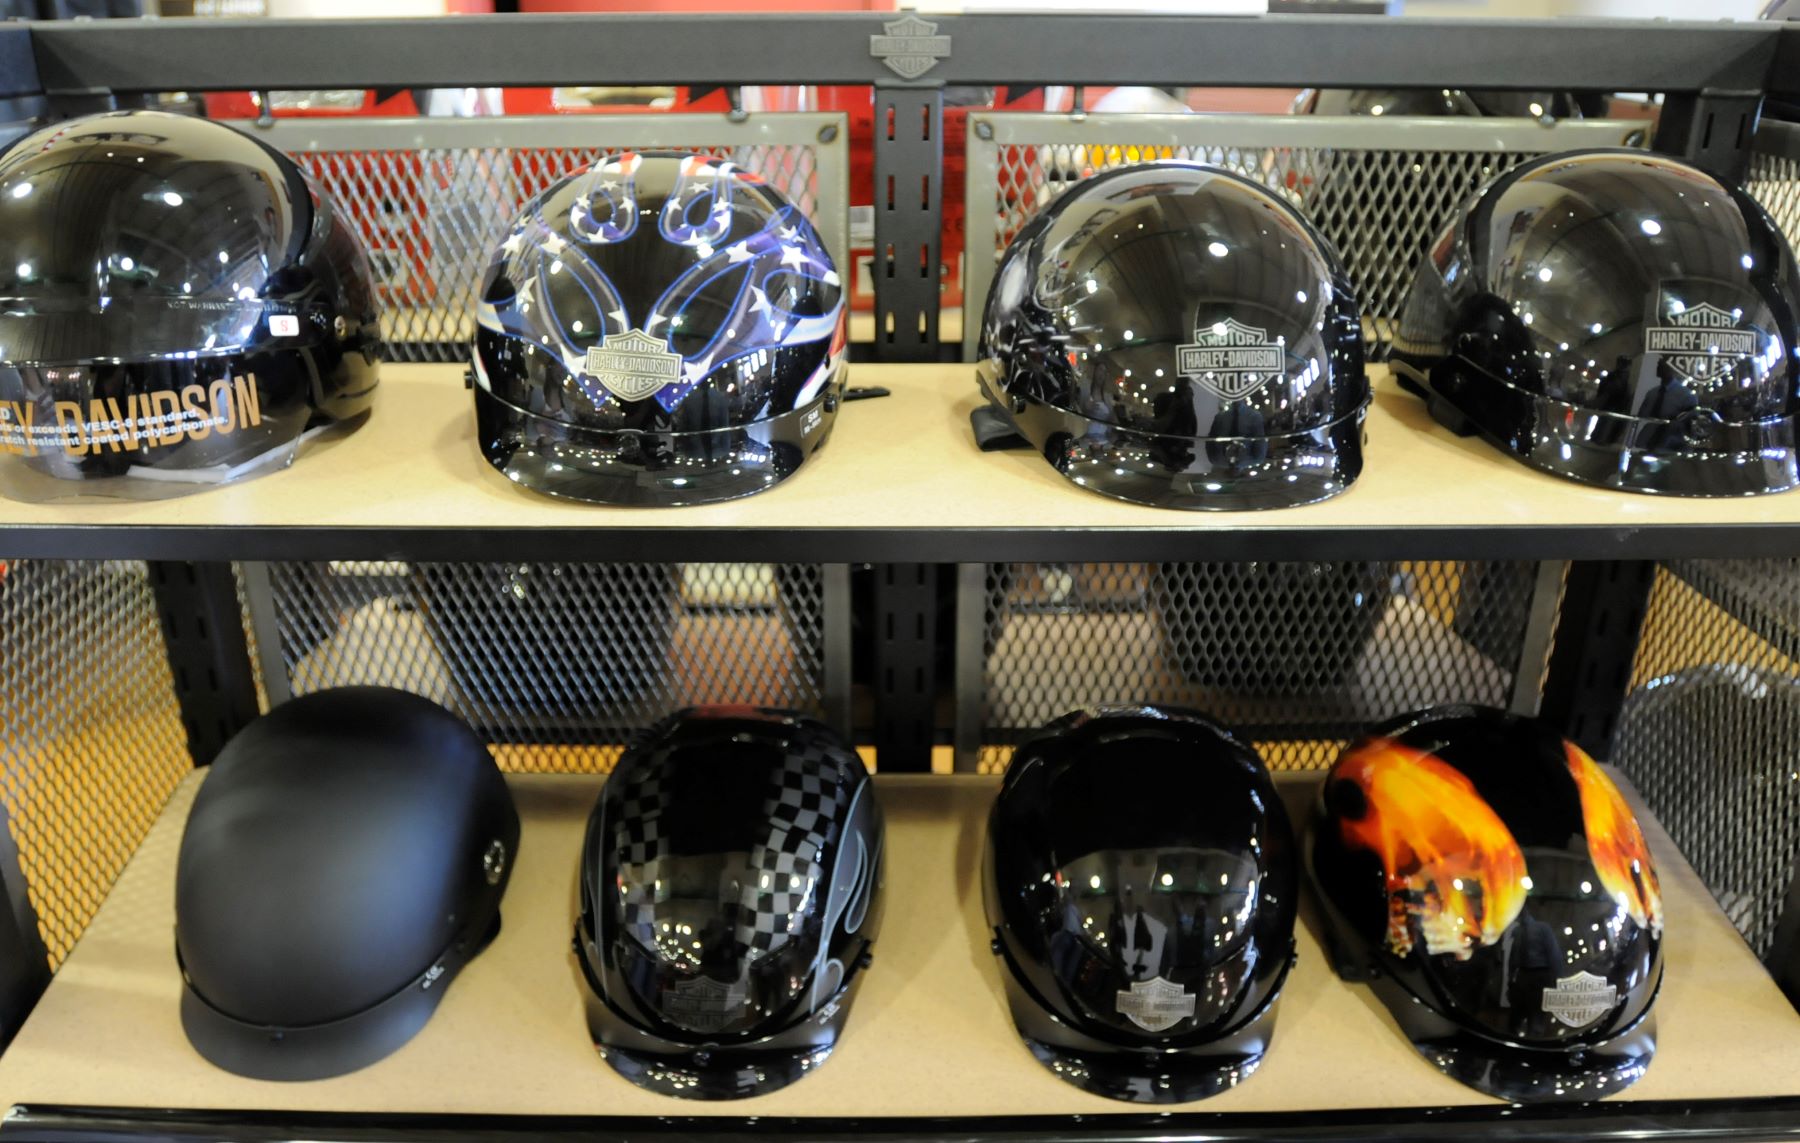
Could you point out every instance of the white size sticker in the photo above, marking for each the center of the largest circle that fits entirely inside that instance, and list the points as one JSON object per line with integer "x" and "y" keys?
{"x": 284, "y": 325}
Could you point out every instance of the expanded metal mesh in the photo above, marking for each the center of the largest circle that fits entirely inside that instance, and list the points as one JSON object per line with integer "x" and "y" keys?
{"x": 93, "y": 742}
{"x": 1710, "y": 733}
{"x": 432, "y": 218}
{"x": 557, "y": 664}
{"x": 1381, "y": 208}
{"x": 1299, "y": 657}
{"x": 1774, "y": 181}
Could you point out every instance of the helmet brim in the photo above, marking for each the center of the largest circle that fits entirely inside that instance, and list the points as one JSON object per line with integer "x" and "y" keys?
{"x": 1140, "y": 1074}
{"x": 1608, "y": 450}
{"x": 650, "y": 469}
{"x": 713, "y": 1071}
{"x": 1220, "y": 475}
{"x": 1521, "y": 1074}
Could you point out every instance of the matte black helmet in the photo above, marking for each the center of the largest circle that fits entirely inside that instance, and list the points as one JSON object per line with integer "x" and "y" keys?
{"x": 730, "y": 897}
{"x": 343, "y": 861}
{"x": 1619, "y": 318}
{"x": 1436, "y": 101}
{"x": 1176, "y": 335}
{"x": 179, "y": 306}
{"x": 659, "y": 329}
{"x": 1141, "y": 887}
{"x": 1491, "y": 882}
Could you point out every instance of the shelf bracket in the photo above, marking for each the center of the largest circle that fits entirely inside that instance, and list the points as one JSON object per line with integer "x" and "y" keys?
{"x": 209, "y": 656}
{"x": 1604, "y": 602}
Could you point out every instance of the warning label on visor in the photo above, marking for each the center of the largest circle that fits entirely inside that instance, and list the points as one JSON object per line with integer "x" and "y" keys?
{"x": 126, "y": 424}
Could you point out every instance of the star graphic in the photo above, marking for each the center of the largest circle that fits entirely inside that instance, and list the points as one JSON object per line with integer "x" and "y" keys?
{"x": 738, "y": 253}
{"x": 553, "y": 244}
{"x": 695, "y": 370}
{"x": 514, "y": 243}
{"x": 831, "y": 277}
{"x": 704, "y": 250}
{"x": 610, "y": 185}
{"x": 792, "y": 256}
{"x": 654, "y": 318}
{"x": 760, "y": 301}
{"x": 789, "y": 233}
{"x": 621, "y": 317}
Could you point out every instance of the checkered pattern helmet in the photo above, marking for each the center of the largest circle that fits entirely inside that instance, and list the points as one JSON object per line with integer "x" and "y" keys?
{"x": 729, "y": 881}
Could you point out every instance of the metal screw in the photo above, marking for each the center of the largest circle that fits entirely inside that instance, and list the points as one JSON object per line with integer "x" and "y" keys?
{"x": 984, "y": 129}
{"x": 828, "y": 133}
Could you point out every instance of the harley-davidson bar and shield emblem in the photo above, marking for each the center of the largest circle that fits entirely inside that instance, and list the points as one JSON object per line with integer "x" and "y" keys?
{"x": 704, "y": 1004}
{"x": 1229, "y": 359}
{"x": 909, "y": 46}
{"x": 1581, "y": 999}
{"x": 632, "y": 365}
{"x": 1700, "y": 343}
{"x": 1155, "y": 1004}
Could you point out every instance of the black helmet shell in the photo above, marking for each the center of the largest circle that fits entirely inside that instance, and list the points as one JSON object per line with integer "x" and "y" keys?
{"x": 659, "y": 329}
{"x": 740, "y": 853}
{"x": 1141, "y": 886}
{"x": 345, "y": 857}
{"x": 1618, "y": 318}
{"x": 178, "y": 305}
{"x": 1176, "y": 335}
{"x": 1491, "y": 879}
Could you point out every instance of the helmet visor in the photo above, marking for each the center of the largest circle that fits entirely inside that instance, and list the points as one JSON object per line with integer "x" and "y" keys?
{"x": 1211, "y": 474}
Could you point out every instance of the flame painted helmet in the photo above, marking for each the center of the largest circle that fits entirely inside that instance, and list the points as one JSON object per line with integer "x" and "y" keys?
{"x": 660, "y": 329}
{"x": 1618, "y": 318}
{"x": 1492, "y": 884}
{"x": 730, "y": 897}
{"x": 1176, "y": 335}
{"x": 1141, "y": 886}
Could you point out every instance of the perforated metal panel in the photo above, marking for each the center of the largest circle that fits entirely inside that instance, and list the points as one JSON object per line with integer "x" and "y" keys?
{"x": 557, "y": 664}
{"x": 1380, "y": 189}
{"x": 1774, "y": 179}
{"x": 432, "y": 198}
{"x": 1711, "y": 731}
{"x": 1297, "y": 656}
{"x": 91, "y": 739}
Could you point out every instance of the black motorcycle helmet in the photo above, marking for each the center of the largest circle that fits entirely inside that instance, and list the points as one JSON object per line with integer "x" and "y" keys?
{"x": 660, "y": 329}
{"x": 343, "y": 861}
{"x": 1619, "y": 318}
{"x": 1141, "y": 887}
{"x": 1176, "y": 335}
{"x": 1437, "y": 101}
{"x": 179, "y": 305}
{"x": 1490, "y": 881}
{"x": 730, "y": 897}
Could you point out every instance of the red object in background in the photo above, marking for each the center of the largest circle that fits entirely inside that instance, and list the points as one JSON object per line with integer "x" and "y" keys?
{"x": 392, "y": 226}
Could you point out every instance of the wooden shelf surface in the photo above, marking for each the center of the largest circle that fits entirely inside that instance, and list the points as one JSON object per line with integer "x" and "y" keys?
{"x": 929, "y": 1035}
{"x": 900, "y": 479}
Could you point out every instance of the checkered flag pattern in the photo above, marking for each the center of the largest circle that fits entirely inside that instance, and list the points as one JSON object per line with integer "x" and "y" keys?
{"x": 805, "y": 811}
{"x": 639, "y": 836}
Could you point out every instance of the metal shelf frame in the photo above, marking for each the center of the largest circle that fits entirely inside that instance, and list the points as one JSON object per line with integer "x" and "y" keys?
{"x": 1714, "y": 78}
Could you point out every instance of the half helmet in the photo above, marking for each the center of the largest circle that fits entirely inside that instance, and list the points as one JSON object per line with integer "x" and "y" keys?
{"x": 1618, "y": 318}
{"x": 659, "y": 329}
{"x": 179, "y": 307}
{"x": 730, "y": 897}
{"x": 1141, "y": 884}
{"x": 1176, "y": 335}
{"x": 343, "y": 861}
{"x": 1491, "y": 882}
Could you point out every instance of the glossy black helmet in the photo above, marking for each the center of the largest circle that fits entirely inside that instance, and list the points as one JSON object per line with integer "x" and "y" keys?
{"x": 1490, "y": 881}
{"x": 1176, "y": 335}
{"x": 1141, "y": 887}
{"x": 1618, "y": 318}
{"x": 343, "y": 861}
{"x": 730, "y": 897}
{"x": 1436, "y": 101}
{"x": 179, "y": 306}
{"x": 659, "y": 329}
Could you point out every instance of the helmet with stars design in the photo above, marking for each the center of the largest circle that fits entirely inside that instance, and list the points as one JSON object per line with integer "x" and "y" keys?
{"x": 660, "y": 329}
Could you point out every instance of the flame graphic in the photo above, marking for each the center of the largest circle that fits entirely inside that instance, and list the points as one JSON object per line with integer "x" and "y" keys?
{"x": 1451, "y": 862}
{"x": 1617, "y": 846}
